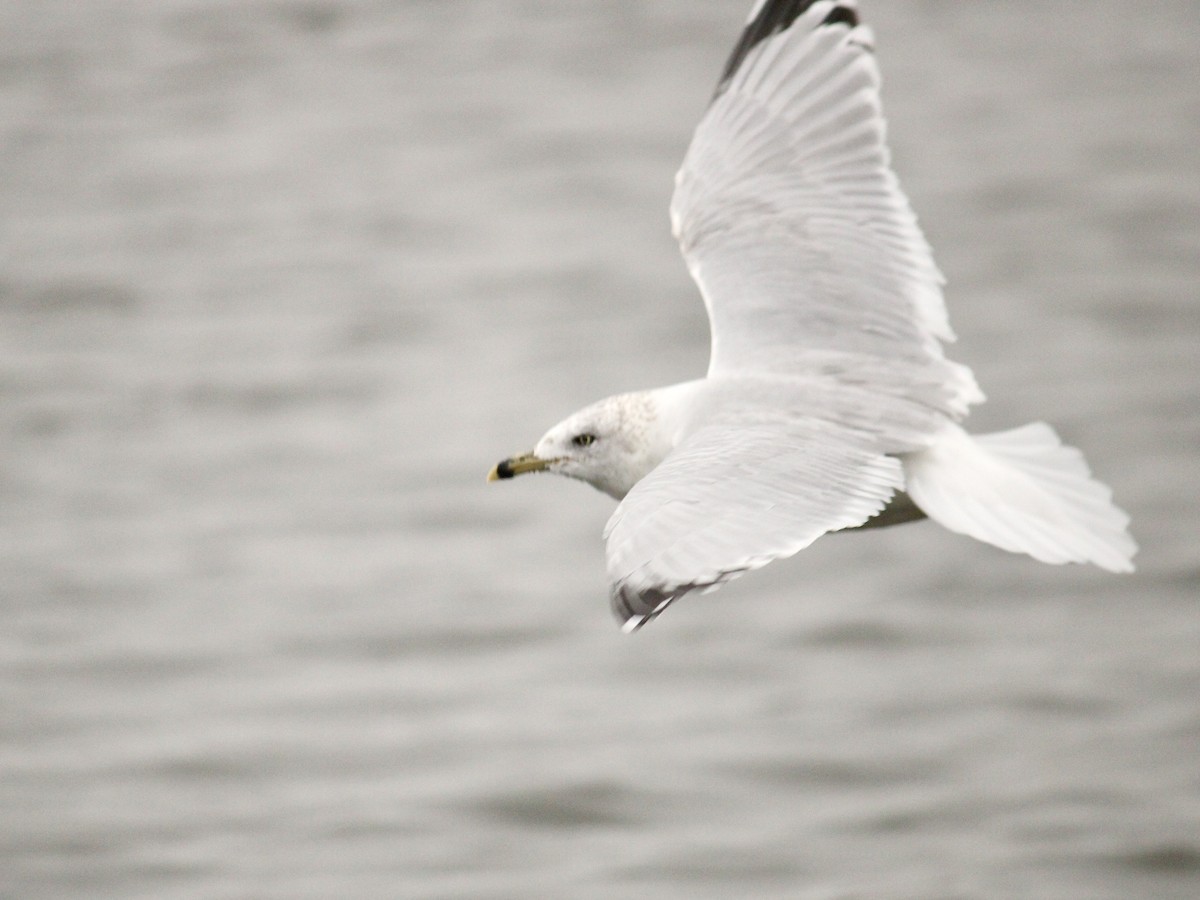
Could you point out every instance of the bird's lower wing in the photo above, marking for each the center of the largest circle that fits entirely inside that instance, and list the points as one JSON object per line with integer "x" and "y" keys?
{"x": 731, "y": 499}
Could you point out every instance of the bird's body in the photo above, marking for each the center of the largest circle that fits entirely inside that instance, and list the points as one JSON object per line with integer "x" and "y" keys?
{"x": 829, "y": 402}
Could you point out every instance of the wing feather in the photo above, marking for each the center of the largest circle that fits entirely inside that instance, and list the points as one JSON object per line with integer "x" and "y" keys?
{"x": 729, "y": 500}
{"x": 792, "y": 221}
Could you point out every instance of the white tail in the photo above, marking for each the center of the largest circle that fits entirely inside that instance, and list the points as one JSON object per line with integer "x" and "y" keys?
{"x": 1024, "y": 491}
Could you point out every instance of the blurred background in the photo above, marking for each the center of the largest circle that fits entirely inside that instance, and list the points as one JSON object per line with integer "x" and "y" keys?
{"x": 282, "y": 280}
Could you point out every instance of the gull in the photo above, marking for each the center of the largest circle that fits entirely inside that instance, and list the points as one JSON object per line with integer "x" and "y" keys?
{"x": 829, "y": 403}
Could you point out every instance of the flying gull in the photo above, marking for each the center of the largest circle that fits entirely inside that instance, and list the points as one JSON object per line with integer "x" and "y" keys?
{"x": 829, "y": 403}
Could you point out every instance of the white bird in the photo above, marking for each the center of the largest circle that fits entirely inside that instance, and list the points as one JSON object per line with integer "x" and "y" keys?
{"x": 828, "y": 403}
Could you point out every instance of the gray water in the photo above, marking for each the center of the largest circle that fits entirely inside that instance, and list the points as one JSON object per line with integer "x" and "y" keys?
{"x": 282, "y": 280}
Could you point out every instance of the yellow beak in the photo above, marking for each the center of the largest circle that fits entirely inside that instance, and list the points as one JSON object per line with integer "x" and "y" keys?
{"x": 518, "y": 465}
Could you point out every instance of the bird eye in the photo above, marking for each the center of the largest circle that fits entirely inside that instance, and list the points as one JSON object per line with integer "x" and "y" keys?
{"x": 583, "y": 440}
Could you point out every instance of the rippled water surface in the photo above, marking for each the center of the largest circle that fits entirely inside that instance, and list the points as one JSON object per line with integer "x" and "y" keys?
{"x": 281, "y": 280}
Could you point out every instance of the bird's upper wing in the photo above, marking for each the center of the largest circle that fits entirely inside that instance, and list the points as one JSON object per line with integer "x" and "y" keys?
{"x": 790, "y": 217}
{"x": 731, "y": 499}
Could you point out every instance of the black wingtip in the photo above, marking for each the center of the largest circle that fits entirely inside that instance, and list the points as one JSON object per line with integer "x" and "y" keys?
{"x": 636, "y": 609}
{"x": 776, "y": 17}
{"x": 841, "y": 15}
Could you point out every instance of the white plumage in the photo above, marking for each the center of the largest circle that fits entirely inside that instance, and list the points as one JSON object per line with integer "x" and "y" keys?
{"x": 828, "y": 390}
